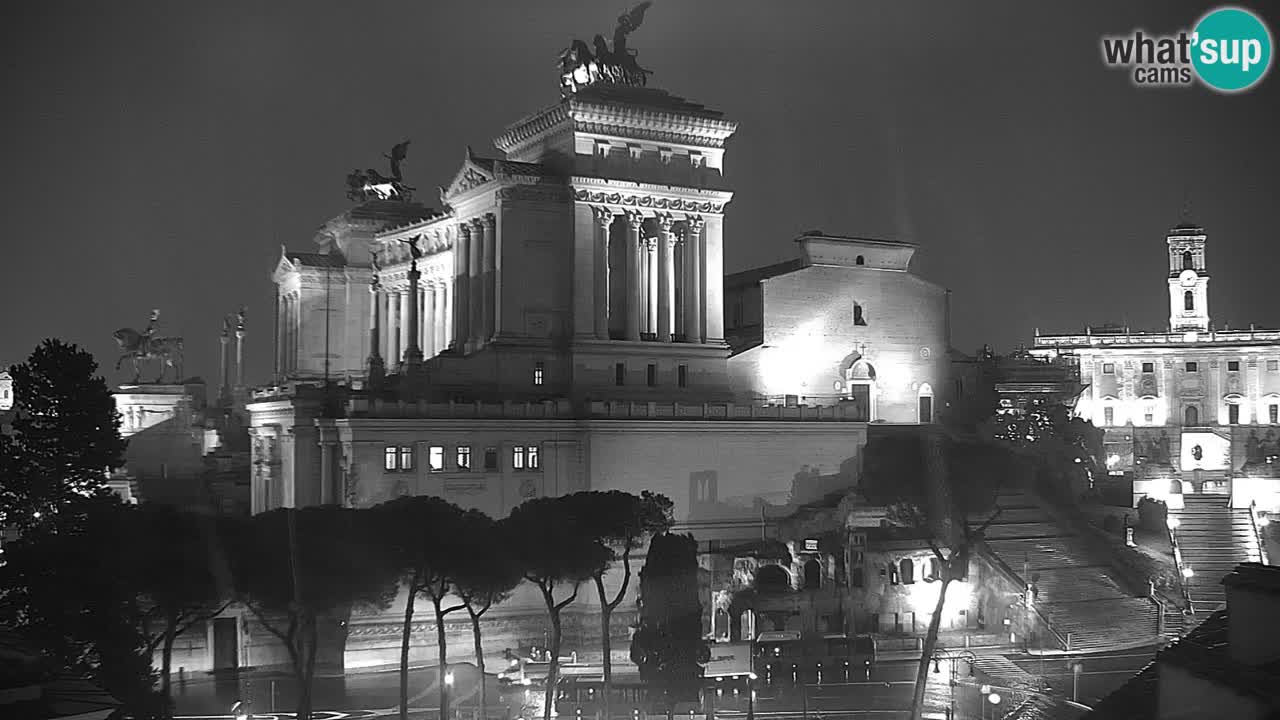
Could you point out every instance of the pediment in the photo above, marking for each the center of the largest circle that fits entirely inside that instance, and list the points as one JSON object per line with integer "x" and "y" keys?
{"x": 471, "y": 175}
{"x": 284, "y": 266}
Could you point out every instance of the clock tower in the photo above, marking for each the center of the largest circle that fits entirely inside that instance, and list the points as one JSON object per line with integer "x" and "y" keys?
{"x": 1188, "y": 280}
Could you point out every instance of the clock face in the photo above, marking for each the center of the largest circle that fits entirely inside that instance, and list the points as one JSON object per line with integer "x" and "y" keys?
{"x": 1188, "y": 278}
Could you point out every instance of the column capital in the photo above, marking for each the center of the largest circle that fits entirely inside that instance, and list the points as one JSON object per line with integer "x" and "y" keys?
{"x": 666, "y": 222}
{"x": 464, "y": 229}
{"x": 635, "y": 219}
{"x": 477, "y": 224}
{"x": 489, "y": 220}
{"x": 604, "y": 216}
{"x": 695, "y": 222}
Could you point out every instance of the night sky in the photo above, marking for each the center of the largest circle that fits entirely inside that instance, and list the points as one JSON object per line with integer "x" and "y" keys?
{"x": 156, "y": 155}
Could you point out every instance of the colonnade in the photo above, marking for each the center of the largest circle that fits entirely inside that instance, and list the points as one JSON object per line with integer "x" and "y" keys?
{"x": 390, "y": 315}
{"x": 661, "y": 295}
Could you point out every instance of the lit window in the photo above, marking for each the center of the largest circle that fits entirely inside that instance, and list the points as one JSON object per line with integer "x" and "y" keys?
{"x": 1148, "y": 367}
{"x": 517, "y": 457}
{"x": 491, "y": 458}
{"x": 464, "y": 457}
{"x": 1108, "y": 368}
{"x": 389, "y": 458}
{"x": 531, "y": 457}
{"x": 406, "y": 457}
{"x": 1108, "y": 416}
{"x": 435, "y": 458}
{"x": 682, "y": 375}
{"x": 1193, "y": 367}
{"x": 1149, "y": 414}
{"x": 651, "y": 374}
{"x": 397, "y": 458}
{"x": 1273, "y": 414}
{"x": 538, "y": 369}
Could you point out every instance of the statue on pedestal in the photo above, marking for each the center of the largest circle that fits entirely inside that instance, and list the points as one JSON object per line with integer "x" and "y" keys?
{"x": 138, "y": 346}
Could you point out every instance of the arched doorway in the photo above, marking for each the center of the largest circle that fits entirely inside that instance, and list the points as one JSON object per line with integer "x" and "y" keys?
{"x": 924, "y": 403}
{"x": 860, "y": 380}
{"x": 1191, "y": 416}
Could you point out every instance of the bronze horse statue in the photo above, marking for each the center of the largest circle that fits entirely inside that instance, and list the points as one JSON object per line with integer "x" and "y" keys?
{"x": 139, "y": 346}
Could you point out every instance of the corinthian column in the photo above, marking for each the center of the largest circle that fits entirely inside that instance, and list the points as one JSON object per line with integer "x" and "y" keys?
{"x": 488, "y": 260}
{"x": 634, "y": 296}
{"x": 376, "y": 367}
{"x": 461, "y": 288}
{"x": 666, "y": 277}
{"x": 604, "y": 219}
{"x": 475, "y": 285}
{"x": 651, "y": 286}
{"x": 429, "y": 320}
{"x": 402, "y": 315}
{"x": 693, "y": 300}
{"x": 412, "y": 353}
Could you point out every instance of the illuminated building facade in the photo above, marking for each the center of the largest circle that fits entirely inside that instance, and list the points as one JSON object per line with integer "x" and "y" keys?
{"x": 560, "y": 325}
{"x": 1189, "y": 409}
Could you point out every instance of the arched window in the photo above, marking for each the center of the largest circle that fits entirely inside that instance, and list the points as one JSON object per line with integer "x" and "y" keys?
{"x": 1188, "y": 261}
{"x": 812, "y": 575}
{"x": 1191, "y": 416}
{"x": 857, "y": 315}
{"x": 859, "y": 261}
{"x": 772, "y": 578}
{"x": 907, "y": 571}
{"x": 1188, "y": 301}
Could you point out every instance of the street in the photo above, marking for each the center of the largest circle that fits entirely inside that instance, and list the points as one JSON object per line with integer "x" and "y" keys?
{"x": 1101, "y": 673}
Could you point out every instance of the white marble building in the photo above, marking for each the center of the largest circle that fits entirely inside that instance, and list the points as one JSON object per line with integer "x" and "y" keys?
{"x": 1201, "y": 401}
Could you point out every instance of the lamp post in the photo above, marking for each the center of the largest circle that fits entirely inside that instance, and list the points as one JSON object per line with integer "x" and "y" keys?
{"x": 751, "y": 695}
{"x": 953, "y": 658}
{"x": 448, "y": 687}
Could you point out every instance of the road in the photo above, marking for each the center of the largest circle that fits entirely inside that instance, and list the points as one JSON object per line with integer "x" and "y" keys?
{"x": 1102, "y": 673}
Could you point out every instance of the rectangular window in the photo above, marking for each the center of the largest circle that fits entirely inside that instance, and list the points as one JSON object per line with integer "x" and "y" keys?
{"x": 538, "y": 369}
{"x": 1108, "y": 416}
{"x": 651, "y": 374}
{"x": 1108, "y": 368}
{"x": 491, "y": 458}
{"x": 1148, "y": 367}
{"x": 406, "y": 457}
{"x": 1233, "y": 366}
{"x": 531, "y": 457}
{"x": 1273, "y": 365}
{"x": 390, "y": 458}
{"x": 435, "y": 458}
{"x": 1149, "y": 415}
{"x": 1233, "y": 414}
{"x": 1193, "y": 367}
{"x": 464, "y": 457}
{"x": 517, "y": 457}
{"x": 1273, "y": 414}
{"x": 619, "y": 374}
{"x": 682, "y": 376}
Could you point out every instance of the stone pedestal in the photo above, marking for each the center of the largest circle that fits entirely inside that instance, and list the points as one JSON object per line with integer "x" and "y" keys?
{"x": 164, "y": 425}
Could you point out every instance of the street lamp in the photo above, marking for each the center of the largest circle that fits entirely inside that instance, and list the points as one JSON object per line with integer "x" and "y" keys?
{"x": 448, "y": 686}
{"x": 953, "y": 658}
{"x": 751, "y": 696}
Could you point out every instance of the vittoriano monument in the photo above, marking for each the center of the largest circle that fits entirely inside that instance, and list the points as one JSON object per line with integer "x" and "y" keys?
{"x": 580, "y": 67}
{"x": 370, "y": 184}
{"x": 145, "y": 345}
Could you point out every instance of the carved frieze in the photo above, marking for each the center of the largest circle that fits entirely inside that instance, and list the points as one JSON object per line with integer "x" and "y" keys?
{"x": 648, "y": 201}
{"x": 537, "y": 193}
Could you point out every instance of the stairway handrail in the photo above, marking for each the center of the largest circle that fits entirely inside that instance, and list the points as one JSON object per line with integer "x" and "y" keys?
{"x": 1177, "y": 561}
{"x": 1257, "y": 532}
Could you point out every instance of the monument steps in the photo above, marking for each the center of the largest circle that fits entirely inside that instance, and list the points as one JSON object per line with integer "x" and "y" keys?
{"x": 1213, "y": 538}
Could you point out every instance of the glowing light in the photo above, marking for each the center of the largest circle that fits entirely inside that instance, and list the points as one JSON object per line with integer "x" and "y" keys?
{"x": 994, "y": 698}
{"x": 448, "y": 678}
{"x": 1187, "y": 572}
{"x": 1172, "y": 522}
{"x": 1113, "y": 460}
{"x": 1263, "y": 520}
{"x": 752, "y": 676}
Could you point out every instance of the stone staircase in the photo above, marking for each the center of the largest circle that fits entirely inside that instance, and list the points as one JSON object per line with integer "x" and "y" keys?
{"x": 1213, "y": 538}
{"x": 1077, "y": 592}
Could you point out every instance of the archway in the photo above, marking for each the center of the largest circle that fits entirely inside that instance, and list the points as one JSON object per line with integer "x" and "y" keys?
{"x": 772, "y": 579}
{"x": 1191, "y": 416}
{"x": 924, "y": 403}
{"x": 860, "y": 377}
{"x": 812, "y": 575}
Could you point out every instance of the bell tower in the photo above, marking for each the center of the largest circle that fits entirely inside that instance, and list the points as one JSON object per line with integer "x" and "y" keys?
{"x": 1188, "y": 279}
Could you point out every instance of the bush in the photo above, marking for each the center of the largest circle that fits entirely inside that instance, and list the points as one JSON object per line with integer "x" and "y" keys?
{"x": 1152, "y": 514}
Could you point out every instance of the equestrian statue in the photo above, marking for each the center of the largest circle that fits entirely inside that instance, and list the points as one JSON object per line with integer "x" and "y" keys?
{"x": 145, "y": 345}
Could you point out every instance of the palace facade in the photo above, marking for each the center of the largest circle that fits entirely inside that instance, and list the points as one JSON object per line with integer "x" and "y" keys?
{"x": 1192, "y": 408}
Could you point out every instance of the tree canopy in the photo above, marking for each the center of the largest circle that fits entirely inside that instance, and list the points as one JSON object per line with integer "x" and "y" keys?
{"x": 668, "y": 647}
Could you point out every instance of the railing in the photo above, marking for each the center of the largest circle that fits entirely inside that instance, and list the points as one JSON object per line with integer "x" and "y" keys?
{"x": 1170, "y": 525}
{"x": 1257, "y": 532}
{"x": 1064, "y": 643}
{"x": 1154, "y": 338}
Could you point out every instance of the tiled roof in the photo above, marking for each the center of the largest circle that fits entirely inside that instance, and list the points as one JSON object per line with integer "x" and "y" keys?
{"x": 1135, "y": 700}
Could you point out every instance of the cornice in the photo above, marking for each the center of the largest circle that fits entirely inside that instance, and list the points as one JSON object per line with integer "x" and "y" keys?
{"x": 532, "y": 126}
{"x": 633, "y": 120}
{"x": 648, "y": 196}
